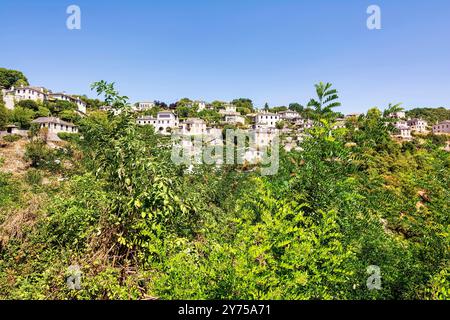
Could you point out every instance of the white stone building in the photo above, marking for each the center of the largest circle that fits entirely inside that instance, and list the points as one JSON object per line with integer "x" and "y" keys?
{"x": 143, "y": 106}
{"x": 304, "y": 124}
{"x": 289, "y": 115}
{"x": 65, "y": 97}
{"x": 352, "y": 115}
{"x": 442, "y": 127}
{"x": 55, "y": 125}
{"x": 398, "y": 115}
{"x": 265, "y": 120}
{"x": 418, "y": 125}
{"x": 229, "y": 109}
{"x": 202, "y": 105}
{"x": 235, "y": 118}
{"x": 14, "y": 95}
{"x": 339, "y": 124}
{"x": 193, "y": 127}
{"x": 404, "y": 131}
{"x": 164, "y": 123}
{"x": 264, "y": 137}
{"x": 38, "y": 94}
{"x": 231, "y": 116}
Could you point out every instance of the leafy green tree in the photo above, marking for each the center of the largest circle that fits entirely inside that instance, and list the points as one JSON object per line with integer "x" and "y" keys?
{"x": 217, "y": 104}
{"x": 70, "y": 116}
{"x": 278, "y": 109}
{"x": 43, "y": 112}
{"x": 296, "y": 107}
{"x": 392, "y": 109}
{"x": 143, "y": 192}
{"x": 185, "y": 102}
{"x": 210, "y": 116}
{"x": 184, "y": 112}
{"x": 10, "y": 78}
{"x": 327, "y": 100}
{"x": 58, "y": 106}
{"x": 243, "y": 105}
{"x": 21, "y": 117}
{"x": 4, "y": 116}
{"x": 280, "y": 125}
{"x": 432, "y": 115}
{"x": 92, "y": 104}
{"x": 29, "y": 104}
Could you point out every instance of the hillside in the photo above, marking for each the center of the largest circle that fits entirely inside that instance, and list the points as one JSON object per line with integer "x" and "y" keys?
{"x": 432, "y": 115}
{"x": 134, "y": 225}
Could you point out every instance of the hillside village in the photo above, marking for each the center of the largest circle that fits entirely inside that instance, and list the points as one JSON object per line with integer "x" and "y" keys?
{"x": 91, "y": 183}
{"x": 199, "y": 118}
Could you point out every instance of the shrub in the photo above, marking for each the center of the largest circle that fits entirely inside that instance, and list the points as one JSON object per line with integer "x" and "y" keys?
{"x": 12, "y": 138}
{"x": 37, "y": 152}
{"x": 71, "y": 137}
{"x": 33, "y": 177}
{"x": 34, "y": 130}
{"x": 9, "y": 192}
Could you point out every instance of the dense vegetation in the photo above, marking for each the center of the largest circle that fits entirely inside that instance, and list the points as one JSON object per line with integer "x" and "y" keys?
{"x": 140, "y": 227}
{"x": 432, "y": 115}
{"x": 12, "y": 78}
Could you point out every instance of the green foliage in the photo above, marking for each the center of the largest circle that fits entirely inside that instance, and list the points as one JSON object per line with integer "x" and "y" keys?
{"x": 69, "y": 116}
{"x": 10, "y": 78}
{"x": 296, "y": 107}
{"x": 243, "y": 105}
{"x": 66, "y": 136}
{"x": 278, "y": 109}
{"x": 28, "y": 104}
{"x": 4, "y": 115}
{"x": 392, "y": 109}
{"x": 92, "y": 104}
{"x": 34, "y": 130}
{"x": 42, "y": 157}
{"x": 22, "y": 117}
{"x": 140, "y": 227}
{"x": 184, "y": 111}
{"x": 280, "y": 125}
{"x": 327, "y": 100}
{"x": 43, "y": 112}
{"x": 33, "y": 177}
{"x": 438, "y": 140}
{"x": 60, "y": 106}
{"x": 9, "y": 193}
{"x": 210, "y": 116}
{"x": 12, "y": 138}
{"x": 432, "y": 115}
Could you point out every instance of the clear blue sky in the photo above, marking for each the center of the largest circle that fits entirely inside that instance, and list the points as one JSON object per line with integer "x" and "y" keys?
{"x": 265, "y": 50}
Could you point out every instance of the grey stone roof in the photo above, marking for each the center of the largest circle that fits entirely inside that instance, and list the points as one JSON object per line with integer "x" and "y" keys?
{"x": 52, "y": 120}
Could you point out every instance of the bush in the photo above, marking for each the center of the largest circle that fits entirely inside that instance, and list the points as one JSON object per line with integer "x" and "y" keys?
{"x": 12, "y": 138}
{"x": 438, "y": 140}
{"x": 36, "y": 152}
{"x": 9, "y": 192}
{"x": 34, "y": 130}
{"x": 33, "y": 177}
{"x": 28, "y": 104}
{"x": 22, "y": 117}
{"x": 71, "y": 137}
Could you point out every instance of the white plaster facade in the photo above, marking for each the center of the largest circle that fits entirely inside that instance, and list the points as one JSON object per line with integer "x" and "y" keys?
{"x": 266, "y": 120}
{"x": 56, "y": 125}
{"x": 164, "y": 123}
{"x": 418, "y": 125}
{"x": 442, "y": 127}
